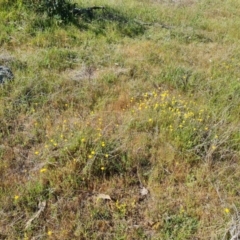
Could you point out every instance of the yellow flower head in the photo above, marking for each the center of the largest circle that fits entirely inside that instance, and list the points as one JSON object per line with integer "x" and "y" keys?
{"x": 16, "y": 197}
{"x": 227, "y": 210}
{"x": 213, "y": 147}
{"x": 43, "y": 170}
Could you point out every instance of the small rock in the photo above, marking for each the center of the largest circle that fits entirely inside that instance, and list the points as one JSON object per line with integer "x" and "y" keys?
{"x": 5, "y": 74}
{"x": 143, "y": 191}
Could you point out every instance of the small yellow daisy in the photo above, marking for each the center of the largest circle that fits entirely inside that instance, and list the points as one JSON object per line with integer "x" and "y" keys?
{"x": 227, "y": 210}
{"x": 16, "y": 197}
{"x": 43, "y": 170}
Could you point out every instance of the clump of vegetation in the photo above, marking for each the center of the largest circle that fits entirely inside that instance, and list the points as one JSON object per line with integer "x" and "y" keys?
{"x": 63, "y": 9}
{"x": 119, "y": 125}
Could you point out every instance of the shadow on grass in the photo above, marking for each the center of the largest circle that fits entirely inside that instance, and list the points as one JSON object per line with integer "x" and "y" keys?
{"x": 125, "y": 25}
{"x": 96, "y": 19}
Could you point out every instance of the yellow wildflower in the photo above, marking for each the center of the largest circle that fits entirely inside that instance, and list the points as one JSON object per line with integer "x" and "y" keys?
{"x": 227, "y": 210}
{"x": 16, "y": 197}
{"x": 213, "y": 147}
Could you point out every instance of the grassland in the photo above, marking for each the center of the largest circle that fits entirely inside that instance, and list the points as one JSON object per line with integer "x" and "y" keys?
{"x": 146, "y": 95}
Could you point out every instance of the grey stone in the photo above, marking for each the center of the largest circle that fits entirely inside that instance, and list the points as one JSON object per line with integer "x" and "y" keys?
{"x": 5, "y": 74}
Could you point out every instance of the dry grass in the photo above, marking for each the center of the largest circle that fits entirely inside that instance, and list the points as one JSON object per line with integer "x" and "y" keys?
{"x": 148, "y": 100}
